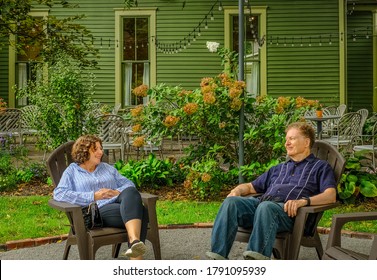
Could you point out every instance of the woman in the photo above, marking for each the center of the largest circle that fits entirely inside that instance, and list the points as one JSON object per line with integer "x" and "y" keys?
{"x": 88, "y": 179}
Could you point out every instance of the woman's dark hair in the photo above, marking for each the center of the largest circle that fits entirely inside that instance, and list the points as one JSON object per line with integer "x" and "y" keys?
{"x": 81, "y": 147}
{"x": 305, "y": 129}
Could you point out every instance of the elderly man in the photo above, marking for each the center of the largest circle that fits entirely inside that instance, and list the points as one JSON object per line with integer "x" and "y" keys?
{"x": 300, "y": 181}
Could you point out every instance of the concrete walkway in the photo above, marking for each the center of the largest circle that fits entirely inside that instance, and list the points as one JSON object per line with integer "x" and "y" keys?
{"x": 176, "y": 244}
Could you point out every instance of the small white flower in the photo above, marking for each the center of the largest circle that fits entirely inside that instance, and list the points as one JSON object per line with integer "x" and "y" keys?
{"x": 212, "y": 46}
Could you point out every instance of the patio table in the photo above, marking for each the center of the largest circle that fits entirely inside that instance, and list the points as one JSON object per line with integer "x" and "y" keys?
{"x": 320, "y": 120}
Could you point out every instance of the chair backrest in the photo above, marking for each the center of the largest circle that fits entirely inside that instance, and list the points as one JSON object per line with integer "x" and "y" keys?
{"x": 326, "y": 151}
{"x": 349, "y": 125}
{"x": 332, "y": 110}
{"x": 116, "y": 109}
{"x": 364, "y": 115}
{"x": 29, "y": 116}
{"x": 59, "y": 160}
{"x": 10, "y": 120}
{"x": 112, "y": 129}
{"x": 341, "y": 110}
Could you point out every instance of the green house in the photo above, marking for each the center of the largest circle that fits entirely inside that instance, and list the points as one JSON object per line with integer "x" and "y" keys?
{"x": 318, "y": 49}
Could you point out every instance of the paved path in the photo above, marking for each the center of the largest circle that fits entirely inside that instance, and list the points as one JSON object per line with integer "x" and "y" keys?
{"x": 176, "y": 244}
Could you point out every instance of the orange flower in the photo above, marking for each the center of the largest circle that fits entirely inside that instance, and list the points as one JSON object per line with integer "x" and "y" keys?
{"x": 283, "y": 101}
{"x": 234, "y": 92}
{"x": 190, "y": 108}
{"x": 222, "y": 125}
{"x": 139, "y": 141}
{"x": 140, "y": 90}
{"x": 206, "y": 177}
{"x": 136, "y": 111}
{"x": 226, "y": 81}
{"x": 171, "y": 121}
{"x": 206, "y": 82}
{"x": 136, "y": 128}
{"x": 209, "y": 98}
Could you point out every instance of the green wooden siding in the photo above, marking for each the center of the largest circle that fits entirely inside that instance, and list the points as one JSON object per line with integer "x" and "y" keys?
{"x": 360, "y": 62}
{"x": 309, "y": 71}
{"x": 294, "y": 68}
{"x": 4, "y": 72}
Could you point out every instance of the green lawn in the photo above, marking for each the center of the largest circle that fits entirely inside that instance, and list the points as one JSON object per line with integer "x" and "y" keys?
{"x": 31, "y": 217}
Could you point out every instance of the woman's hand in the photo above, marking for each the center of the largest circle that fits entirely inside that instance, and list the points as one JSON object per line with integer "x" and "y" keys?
{"x": 105, "y": 194}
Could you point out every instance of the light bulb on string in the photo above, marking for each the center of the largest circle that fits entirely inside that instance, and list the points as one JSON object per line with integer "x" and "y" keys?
{"x": 212, "y": 17}
{"x": 310, "y": 41}
{"x": 199, "y": 32}
{"x": 320, "y": 40}
{"x": 206, "y": 26}
{"x": 301, "y": 43}
{"x": 330, "y": 41}
{"x": 220, "y": 6}
{"x": 285, "y": 41}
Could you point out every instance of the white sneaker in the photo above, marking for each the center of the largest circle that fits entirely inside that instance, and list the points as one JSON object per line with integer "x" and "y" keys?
{"x": 251, "y": 255}
{"x": 136, "y": 249}
{"x": 214, "y": 256}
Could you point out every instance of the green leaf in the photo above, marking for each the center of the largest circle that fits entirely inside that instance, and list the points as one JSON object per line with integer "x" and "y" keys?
{"x": 368, "y": 189}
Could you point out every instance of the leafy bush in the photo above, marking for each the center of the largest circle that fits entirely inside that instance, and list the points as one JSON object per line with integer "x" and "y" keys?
{"x": 64, "y": 101}
{"x": 150, "y": 172}
{"x": 357, "y": 184}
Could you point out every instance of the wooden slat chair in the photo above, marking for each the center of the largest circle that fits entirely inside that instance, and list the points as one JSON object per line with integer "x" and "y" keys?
{"x": 113, "y": 133}
{"x": 334, "y": 249}
{"x": 287, "y": 244}
{"x": 29, "y": 118}
{"x": 10, "y": 125}
{"x": 88, "y": 241}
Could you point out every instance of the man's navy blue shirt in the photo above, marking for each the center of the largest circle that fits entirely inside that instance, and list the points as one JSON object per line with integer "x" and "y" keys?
{"x": 294, "y": 180}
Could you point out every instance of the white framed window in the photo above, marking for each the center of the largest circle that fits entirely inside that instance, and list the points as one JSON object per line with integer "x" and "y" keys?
{"x": 255, "y": 54}
{"x": 135, "y": 54}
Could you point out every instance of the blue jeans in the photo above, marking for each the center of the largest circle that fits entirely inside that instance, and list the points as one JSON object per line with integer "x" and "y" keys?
{"x": 267, "y": 218}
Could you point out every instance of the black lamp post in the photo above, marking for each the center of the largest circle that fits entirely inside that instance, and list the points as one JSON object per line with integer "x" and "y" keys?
{"x": 241, "y": 57}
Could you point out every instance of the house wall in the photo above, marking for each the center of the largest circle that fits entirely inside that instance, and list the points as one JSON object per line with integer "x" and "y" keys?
{"x": 4, "y": 73}
{"x": 313, "y": 70}
{"x": 360, "y": 62}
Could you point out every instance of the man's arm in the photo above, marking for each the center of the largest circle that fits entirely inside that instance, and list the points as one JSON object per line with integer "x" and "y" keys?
{"x": 242, "y": 189}
{"x": 328, "y": 196}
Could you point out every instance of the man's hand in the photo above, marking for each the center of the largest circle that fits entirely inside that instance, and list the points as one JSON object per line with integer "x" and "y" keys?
{"x": 242, "y": 189}
{"x": 105, "y": 194}
{"x": 235, "y": 192}
{"x": 291, "y": 206}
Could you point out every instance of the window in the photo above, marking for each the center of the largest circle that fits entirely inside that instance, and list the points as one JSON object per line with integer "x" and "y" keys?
{"x": 255, "y": 56}
{"x": 26, "y": 59}
{"x": 136, "y": 61}
{"x": 135, "y": 58}
{"x": 252, "y": 59}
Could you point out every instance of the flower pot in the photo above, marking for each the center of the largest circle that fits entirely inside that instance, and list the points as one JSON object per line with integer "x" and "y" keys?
{"x": 319, "y": 113}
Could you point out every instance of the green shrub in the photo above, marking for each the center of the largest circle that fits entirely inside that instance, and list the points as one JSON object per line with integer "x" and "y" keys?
{"x": 64, "y": 101}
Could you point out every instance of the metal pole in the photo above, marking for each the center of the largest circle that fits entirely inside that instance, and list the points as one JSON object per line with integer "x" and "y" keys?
{"x": 241, "y": 56}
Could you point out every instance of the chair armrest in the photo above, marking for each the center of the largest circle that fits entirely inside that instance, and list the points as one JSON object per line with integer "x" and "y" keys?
{"x": 318, "y": 208}
{"x": 149, "y": 201}
{"x": 64, "y": 206}
{"x": 338, "y": 221}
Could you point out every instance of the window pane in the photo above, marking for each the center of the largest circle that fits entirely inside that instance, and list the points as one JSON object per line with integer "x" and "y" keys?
{"x": 142, "y": 39}
{"x": 129, "y": 39}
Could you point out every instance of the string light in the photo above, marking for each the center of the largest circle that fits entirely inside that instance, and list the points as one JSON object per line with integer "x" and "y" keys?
{"x": 192, "y": 36}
